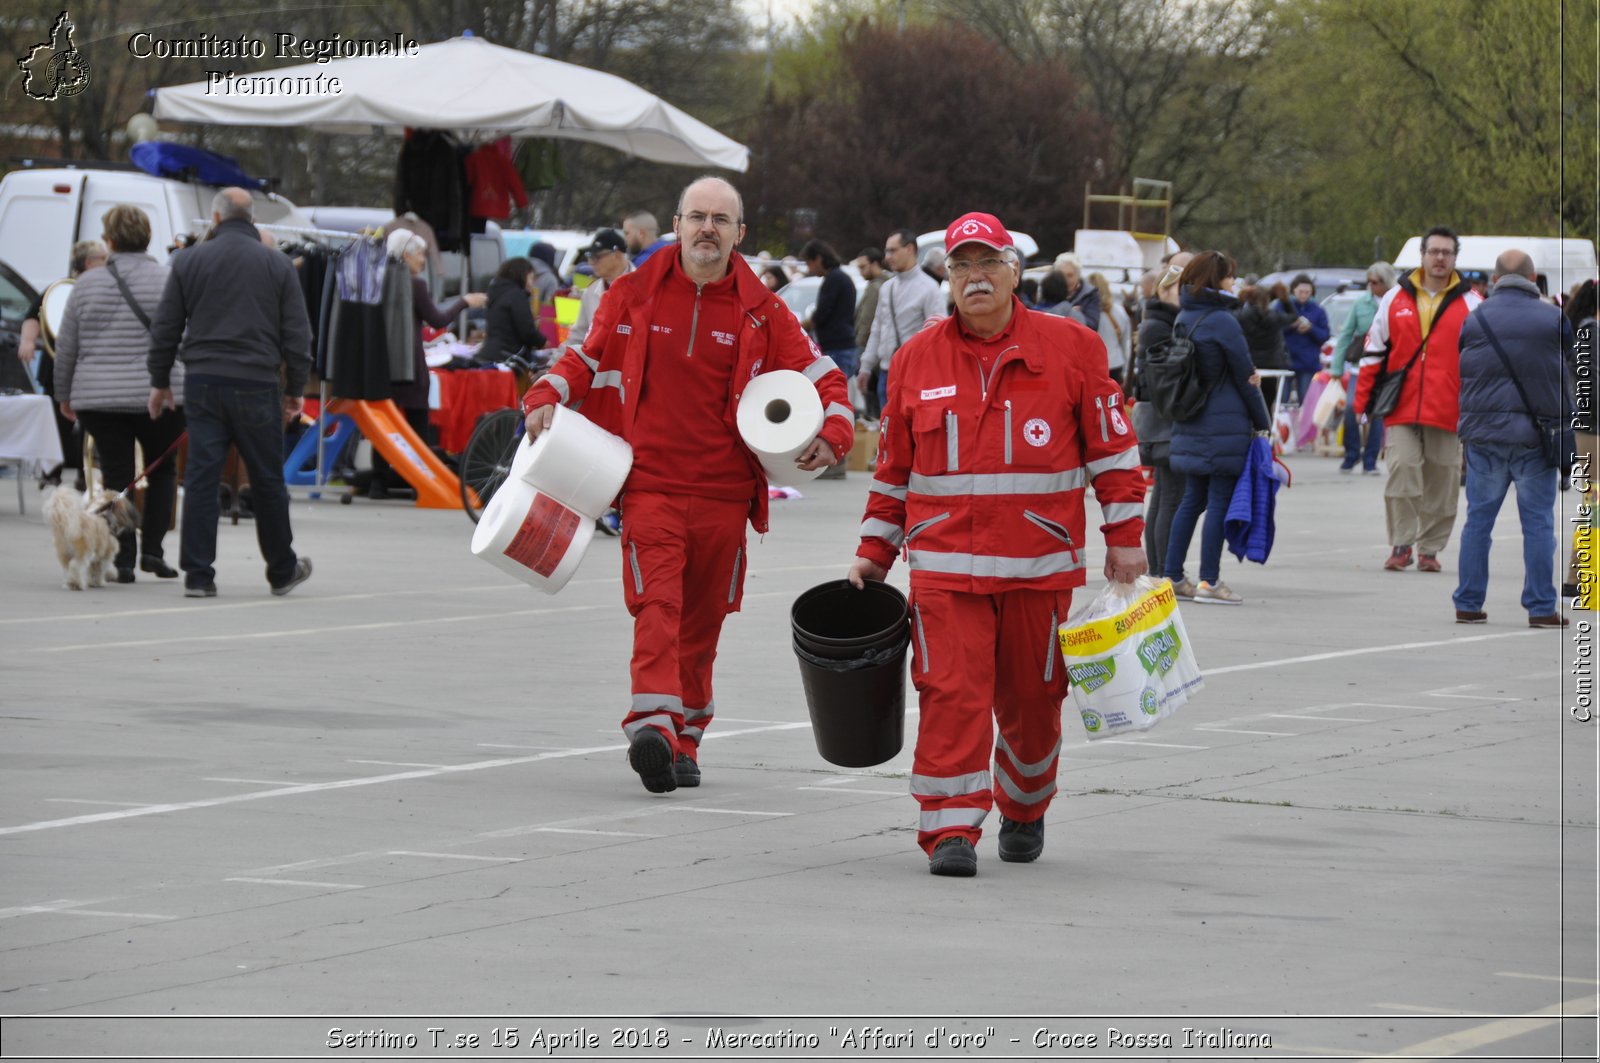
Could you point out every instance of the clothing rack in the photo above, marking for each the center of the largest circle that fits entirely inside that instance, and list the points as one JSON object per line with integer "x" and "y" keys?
{"x": 315, "y": 491}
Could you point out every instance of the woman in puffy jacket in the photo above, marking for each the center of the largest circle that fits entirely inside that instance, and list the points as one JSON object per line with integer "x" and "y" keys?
{"x": 509, "y": 327}
{"x": 102, "y": 383}
{"x": 1210, "y": 449}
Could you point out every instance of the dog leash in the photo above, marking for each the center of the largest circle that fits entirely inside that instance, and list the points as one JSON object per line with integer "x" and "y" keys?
{"x": 151, "y": 467}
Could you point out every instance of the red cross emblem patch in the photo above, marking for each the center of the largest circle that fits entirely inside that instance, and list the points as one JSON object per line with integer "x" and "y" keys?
{"x": 1036, "y": 431}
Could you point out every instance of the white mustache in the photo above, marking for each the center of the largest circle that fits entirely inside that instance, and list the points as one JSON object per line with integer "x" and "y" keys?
{"x": 976, "y": 287}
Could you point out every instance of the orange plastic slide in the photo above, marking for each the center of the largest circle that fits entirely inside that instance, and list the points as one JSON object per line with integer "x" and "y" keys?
{"x": 386, "y": 429}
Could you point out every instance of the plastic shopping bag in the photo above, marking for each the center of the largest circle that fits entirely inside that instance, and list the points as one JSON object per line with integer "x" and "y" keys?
{"x": 1129, "y": 658}
{"x": 1329, "y": 412}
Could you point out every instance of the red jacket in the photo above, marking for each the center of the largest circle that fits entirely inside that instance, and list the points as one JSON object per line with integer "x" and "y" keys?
{"x": 982, "y": 481}
{"x": 1431, "y": 394}
{"x": 604, "y": 373}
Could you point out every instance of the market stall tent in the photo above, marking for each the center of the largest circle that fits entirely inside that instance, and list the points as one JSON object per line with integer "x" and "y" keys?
{"x": 463, "y": 84}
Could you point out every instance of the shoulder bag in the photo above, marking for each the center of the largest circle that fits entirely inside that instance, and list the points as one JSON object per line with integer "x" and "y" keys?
{"x": 1386, "y": 388}
{"x": 127, "y": 295}
{"x": 1555, "y": 439}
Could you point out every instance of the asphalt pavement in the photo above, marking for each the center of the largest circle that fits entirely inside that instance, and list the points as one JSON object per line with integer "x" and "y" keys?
{"x": 390, "y": 816}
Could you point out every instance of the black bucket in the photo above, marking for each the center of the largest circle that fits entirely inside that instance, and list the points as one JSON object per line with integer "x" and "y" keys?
{"x": 851, "y": 648}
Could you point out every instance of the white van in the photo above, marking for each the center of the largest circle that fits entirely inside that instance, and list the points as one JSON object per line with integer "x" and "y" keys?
{"x": 44, "y": 211}
{"x": 1560, "y": 263}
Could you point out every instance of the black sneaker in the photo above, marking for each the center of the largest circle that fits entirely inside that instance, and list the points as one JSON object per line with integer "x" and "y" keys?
{"x": 158, "y": 567}
{"x": 686, "y": 771}
{"x": 650, "y": 754}
{"x": 954, "y": 857}
{"x": 302, "y": 572}
{"x": 1021, "y": 843}
{"x": 207, "y": 591}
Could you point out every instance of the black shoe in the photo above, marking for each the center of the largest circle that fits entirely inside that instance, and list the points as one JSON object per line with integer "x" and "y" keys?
{"x": 156, "y": 565}
{"x": 650, "y": 754}
{"x": 302, "y": 572}
{"x": 1570, "y": 590}
{"x": 124, "y": 575}
{"x": 954, "y": 857}
{"x": 207, "y": 591}
{"x": 686, "y": 771}
{"x": 1021, "y": 843}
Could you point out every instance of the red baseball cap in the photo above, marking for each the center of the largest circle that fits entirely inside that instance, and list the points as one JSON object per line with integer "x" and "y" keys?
{"x": 976, "y": 228}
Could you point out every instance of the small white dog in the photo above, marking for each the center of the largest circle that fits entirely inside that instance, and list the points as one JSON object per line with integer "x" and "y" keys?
{"x": 85, "y": 527}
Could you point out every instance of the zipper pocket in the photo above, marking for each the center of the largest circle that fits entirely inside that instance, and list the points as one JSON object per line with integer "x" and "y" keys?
{"x": 923, "y": 525}
{"x": 694, "y": 321}
{"x": 1050, "y": 649}
{"x": 1053, "y": 529}
{"x": 733, "y": 585}
{"x": 633, "y": 562}
{"x": 1100, "y": 407}
{"x": 952, "y": 441}
{"x": 922, "y": 638}
{"x": 1008, "y": 431}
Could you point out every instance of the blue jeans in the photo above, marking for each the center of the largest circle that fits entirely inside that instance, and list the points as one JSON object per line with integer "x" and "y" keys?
{"x": 1302, "y": 384}
{"x": 1353, "y": 450}
{"x": 1491, "y": 469}
{"x": 845, "y": 359}
{"x": 250, "y": 416}
{"x": 1201, "y": 494}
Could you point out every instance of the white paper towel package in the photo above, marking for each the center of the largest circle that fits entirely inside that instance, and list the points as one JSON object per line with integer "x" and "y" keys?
{"x": 540, "y": 522}
{"x": 779, "y": 415}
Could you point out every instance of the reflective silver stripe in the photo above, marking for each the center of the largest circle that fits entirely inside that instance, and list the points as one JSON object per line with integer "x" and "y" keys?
{"x": 1116, "y": 512}
{"x": 1025, "y": 797}
{"x": 922, "y": 638}
{"x": 839, "y": 409}
{"x": 696, "y": 715}
{"x": 954, "y": 786}
{"x": 923, "y": 525}
{"x": 981, "y": 566}
{"x": 937, "y": 819}
{"x": 592, "y": 363}
{"x": 952, "y": 441}
{"x": 892, "y": 490}
{"x": 1050, "y": 527}
{"x": 638, "y": 577}
{"x": 661, "y": 721}
{"x": 1050, "y": 649}
{"x": 560, "y": 384}
{"x": 872, "y": 527}
{"x": 1008, "y": 431}
{"x": 1004, "y": 483}
{"x": 820, "y": 368}
{"x": 611, "y": 378}
{"x": 733, "y": 584}
{"x": 694, "y": 722}
{"x": 1026, "y": 770}
{"x": 1128, "y": 459}
{"x": 645, "y": 702}
{"x": 1099, "y": 404}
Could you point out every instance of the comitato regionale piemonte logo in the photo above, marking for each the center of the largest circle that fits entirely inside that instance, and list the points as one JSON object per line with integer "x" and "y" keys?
{"x": 55, "y": 69}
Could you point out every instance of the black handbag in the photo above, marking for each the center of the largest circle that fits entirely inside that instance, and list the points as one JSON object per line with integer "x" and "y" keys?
{"x": 1556, "y": 443}
{"x": 1386, "y": 389}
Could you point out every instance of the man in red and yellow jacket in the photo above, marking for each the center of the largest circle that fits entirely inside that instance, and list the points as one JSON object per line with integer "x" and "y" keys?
{"x": 997, "y": 419}
{"x": 671, "y": 350}
{"x": 1418, "y": 324}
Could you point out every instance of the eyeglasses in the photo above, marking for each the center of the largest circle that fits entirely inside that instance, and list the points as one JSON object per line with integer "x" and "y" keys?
{"x": 1446, "y": 252}
{"x": 596, "y": 256}
{"x": 987, "y": 266}
{"x": 696, "y": 219}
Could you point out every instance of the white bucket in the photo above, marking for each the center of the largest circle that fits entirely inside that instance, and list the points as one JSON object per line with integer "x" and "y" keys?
{"x": 532, "y": 536}
{"x": 779, "y": 415}
{"x": 576, "y": 462}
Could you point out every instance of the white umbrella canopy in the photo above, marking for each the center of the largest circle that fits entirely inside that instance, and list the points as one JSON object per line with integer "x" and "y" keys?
{"x": 463, "y": 84}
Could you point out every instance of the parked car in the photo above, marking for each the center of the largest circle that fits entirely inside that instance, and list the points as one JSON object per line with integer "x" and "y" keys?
{"x": 801, "y": 294}
{"x": 16, "y": 296}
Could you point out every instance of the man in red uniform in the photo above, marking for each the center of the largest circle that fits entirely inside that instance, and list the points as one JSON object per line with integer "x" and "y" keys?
{"x": 996, "y": 420}
{"x": 671, "y": 350}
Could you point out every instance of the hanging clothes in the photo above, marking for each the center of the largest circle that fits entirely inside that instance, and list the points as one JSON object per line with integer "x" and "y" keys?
{"x": 360, "y": 368}
{"x": 430, "y": 180}
{"x": 493, "y": 182}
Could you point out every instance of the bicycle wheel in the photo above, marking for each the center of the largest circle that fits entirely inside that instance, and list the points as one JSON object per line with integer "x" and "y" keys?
{"x": 486, "y": 460}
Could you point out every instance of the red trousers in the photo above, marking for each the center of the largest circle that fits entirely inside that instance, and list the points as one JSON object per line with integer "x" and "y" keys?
{"x": 979, "y": 660}
{"x": 682, "y": 573}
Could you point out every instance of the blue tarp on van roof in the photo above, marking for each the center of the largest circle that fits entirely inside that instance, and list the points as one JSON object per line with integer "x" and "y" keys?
{"x": 164, "y": 159}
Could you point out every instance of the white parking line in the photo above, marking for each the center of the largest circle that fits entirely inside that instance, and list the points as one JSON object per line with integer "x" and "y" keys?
{"x": 1547, "y": 977}
{"x": 837, "y": 790}
{"x": 457, "y": 856}
{"x": 1472, "y": 697}
{"x": 396, "y": 763}
{"x": 87, "y": 801}
{"x": 1237, "y": 731}
{"x": 297, "y": 882}
{"x": 1395, "y": 647}
{"x": 1465, "y": 1042}
{"x": 574, "y": 830}
{"x": 1143, "y": 742}
{"x": 728, "y": 811}
{"x": 252, "y": 782}
{"x": 1295, "y": 716}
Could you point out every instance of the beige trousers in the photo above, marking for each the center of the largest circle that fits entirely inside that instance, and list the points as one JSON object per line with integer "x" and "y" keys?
{"x": 1424, "y": 484}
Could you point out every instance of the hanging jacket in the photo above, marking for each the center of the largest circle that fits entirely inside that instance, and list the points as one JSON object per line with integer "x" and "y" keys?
{"x": 493, "y": 182}
{"x": 981, "y": 475}
{"x": 606, "y": 372}
{"x": 1250, "y": 524}
{"x": 1431, "y": 395}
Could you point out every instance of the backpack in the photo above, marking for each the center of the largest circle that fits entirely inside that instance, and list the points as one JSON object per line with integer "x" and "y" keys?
{"x": 1171, "y": 376}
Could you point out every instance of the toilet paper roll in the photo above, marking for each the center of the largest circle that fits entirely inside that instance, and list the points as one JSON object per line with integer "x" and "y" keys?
{"x": 532, "y": 536}
{"x": 575, "y": 462}
{"x": 779, "y": 415}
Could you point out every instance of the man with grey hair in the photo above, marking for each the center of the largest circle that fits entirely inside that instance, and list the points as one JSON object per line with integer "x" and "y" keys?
{"x": 672, "y": 349}
{"x": 233, "y": 311}
{"x": 1514, "y": 388}
{"x": 1346, "y": 357}
{"x": 643, "y": 235}
{"x": 998, "y": 418}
